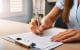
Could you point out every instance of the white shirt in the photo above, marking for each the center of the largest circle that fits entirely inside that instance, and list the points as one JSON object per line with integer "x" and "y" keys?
{"x": 74, "y": 17}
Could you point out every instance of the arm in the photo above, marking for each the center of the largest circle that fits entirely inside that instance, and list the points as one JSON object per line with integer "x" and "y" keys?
{"x": 48, "y": 20}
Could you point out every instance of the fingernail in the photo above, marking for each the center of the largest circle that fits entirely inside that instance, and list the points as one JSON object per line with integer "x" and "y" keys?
{"x": 62, "y": 41}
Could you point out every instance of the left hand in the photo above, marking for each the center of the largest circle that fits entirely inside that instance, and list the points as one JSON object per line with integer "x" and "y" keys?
{"x": 69, "y": 35}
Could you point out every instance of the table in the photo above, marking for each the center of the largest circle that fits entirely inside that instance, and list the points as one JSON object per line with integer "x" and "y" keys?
{"x": 11, "y": 27}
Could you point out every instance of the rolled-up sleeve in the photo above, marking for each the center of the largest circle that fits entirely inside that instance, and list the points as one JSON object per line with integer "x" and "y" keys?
{"x": 60, "y": 4}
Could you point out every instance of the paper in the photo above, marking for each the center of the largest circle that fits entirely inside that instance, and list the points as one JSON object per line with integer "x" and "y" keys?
{"x": 44, "y": 42}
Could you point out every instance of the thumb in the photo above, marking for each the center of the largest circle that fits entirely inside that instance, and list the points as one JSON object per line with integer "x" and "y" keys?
{"x": 42, "y": 28}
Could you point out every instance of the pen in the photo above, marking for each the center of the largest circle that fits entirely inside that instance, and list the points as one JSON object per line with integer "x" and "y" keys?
{"x": 38, "y": 24}
{"x": 38, "y": 20}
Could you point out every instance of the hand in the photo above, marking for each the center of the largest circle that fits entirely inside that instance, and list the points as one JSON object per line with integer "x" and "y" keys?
{"x": 67, "y": 36}
{"x": 35, "y": 28}
{"x": 44, "y": 25}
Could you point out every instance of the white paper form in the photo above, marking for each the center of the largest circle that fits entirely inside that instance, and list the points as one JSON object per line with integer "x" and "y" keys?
{"x": 43, "y": 42}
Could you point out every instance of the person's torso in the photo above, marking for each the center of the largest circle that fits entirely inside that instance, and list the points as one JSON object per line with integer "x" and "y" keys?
{"x": 74, "y": 17}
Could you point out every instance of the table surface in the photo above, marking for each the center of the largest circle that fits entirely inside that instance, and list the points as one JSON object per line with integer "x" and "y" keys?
{"x": 11, "y": 27}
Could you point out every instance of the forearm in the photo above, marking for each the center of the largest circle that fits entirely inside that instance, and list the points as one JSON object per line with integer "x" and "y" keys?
{"x": 49, "y": 19}
{"x": 53, "y": 14}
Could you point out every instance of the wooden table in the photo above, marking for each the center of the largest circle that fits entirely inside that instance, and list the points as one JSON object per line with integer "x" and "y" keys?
{"x": 11, "y": 27}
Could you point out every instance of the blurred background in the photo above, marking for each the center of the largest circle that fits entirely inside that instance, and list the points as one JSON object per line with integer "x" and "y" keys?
{"x": 24, "y": 10}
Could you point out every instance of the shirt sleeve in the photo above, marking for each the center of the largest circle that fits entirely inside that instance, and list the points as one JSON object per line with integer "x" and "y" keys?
{"x": 60, "y": 4}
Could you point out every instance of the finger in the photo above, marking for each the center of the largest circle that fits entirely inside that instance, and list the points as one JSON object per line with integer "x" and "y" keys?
{"x": 39, "y": 33}
{"x": 73, "y": 38}
{"x": 41, "y": 28}
{"x": 34, "y": 22}
{"x": 33, "y": 19}
{"x": 61, "y": 34}
{"x": 70, "y": 34}
{"x": 33, "y": 28}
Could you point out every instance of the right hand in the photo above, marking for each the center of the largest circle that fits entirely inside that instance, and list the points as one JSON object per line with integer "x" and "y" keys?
{"x": 44, "y": 24}
{"x": 34, "y": 27}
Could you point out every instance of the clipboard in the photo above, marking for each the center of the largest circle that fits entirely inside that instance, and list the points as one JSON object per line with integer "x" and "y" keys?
{"x": 43, "y": 42}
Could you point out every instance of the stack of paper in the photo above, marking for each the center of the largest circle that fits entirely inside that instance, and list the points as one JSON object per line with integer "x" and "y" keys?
{"x": 43, "y": 42}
